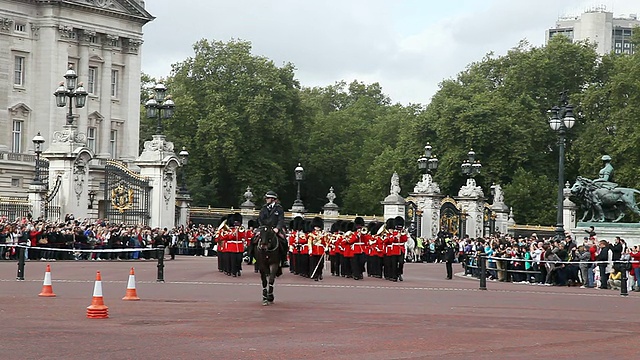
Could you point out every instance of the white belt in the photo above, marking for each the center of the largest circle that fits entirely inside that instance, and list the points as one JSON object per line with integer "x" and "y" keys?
{"x": 398, "y": 244}
{"x": 235, "y": 242}
{"x": 358, "y": 243}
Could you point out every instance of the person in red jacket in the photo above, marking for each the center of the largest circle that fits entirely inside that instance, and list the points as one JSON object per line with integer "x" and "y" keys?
{"x": 357, "y": 241}
{"x": 635, "y": 267}
{"x": 317, "y": 240}
{"x": 235, "y": 240}
{"x": 374, "y": 251}
{"x": 334, "y": 253}
{"x": 345, "y": 248}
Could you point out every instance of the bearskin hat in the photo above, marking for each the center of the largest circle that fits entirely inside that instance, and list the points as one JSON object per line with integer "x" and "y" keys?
{"x": 235, "y": 219}
{"x": 359, "y": 222}
{"x": 297, "y": 223}
{"x": 335, "y": 227}
{"x": 372, "y": 227}
{"x": 252, "y": 224}
{"x": 398, "y": 222}
{"x": 390, "y": 224}
{"x": 344, "y": 226}
{"x": 317, "y": 222}
{"x": 223, "y": 219}
{"x": 351, "y": 226}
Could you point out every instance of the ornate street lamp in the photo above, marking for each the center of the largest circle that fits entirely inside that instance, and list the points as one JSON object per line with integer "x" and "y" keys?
{"x": 428, "y": 163}
{"x": 184, "y": 157}
{"x": 561, "y": 120}
{"x": 159, "y": 106}
{"x": 37, "y": 140}
{"x": 69, "y": 90}
{"x": 299, "y": 171}
{"x": 470, "y": 166}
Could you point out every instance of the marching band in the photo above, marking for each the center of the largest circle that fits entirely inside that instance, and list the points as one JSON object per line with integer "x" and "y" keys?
{"x": 351, "y": 247}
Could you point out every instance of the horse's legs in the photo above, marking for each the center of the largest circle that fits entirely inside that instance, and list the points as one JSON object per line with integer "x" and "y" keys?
{"x": 272, "y": 278}
{"x": 263, "y": 276}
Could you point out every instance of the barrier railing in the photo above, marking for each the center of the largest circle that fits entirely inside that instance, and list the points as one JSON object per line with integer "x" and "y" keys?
{"x": 483, "y": 271}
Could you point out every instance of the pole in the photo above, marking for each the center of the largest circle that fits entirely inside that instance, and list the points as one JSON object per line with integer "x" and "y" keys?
{"x": 160, "y": 263}
{"x": 559, "y": 220}
{"x": 20, "y": 275}
{"x": 298, "y": 194}
{"x": 70, "y": 114}
{"x": 623, "y": 281}
{"x": 483, "y": 272}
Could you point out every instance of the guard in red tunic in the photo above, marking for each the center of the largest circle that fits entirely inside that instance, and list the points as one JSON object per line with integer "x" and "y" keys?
{"x": 304, "y": 250}
{"x": 357, "y": 242}
{"x": 334, "y": 254}
{"x": 374, "y": 251}
{"x": 317, "y": 240}
{"x": 220, "y": 239}
{"x": 293, "y": 240}
{"x": 347, "y": 253}
{"x": 394, "y": 242}
{"x": 235, "y": 241}
{"x": 252, "y": 228}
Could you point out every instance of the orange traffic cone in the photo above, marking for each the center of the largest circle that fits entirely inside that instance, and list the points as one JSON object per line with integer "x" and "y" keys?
{"x": 131, "y": 293}
{"x": 97, "y": 310}
{"x": 47, "y": 290}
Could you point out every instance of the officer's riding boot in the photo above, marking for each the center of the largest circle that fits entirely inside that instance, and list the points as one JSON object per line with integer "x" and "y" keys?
{"x": 283, "y": 253}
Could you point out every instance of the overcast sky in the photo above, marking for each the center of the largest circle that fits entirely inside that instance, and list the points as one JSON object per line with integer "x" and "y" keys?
{"x": 408, "y": 46}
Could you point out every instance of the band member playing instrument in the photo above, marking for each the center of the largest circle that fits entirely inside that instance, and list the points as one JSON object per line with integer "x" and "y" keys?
{"x": 357, "y": 242}
{"x": 334, "y": 254}
{"x": 317, "y": 241}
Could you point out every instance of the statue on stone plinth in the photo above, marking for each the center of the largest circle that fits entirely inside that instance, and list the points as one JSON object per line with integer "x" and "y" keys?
{"x": 602, "y": 198}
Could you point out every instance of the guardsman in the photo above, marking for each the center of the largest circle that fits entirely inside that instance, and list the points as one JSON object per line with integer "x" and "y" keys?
{"x": 387, "y": 242}
{"x": 252, "y": 226}
{"x": 347, "y": 253}
{"x": 294, "y": 243}
{"x": 357, "y": 241}
{"x": 220, "y": 239}
{"x": 235, "y": 240}
{"x": 400, "y": 238}
{"x": 304, "y": 250}
{"x": 374, "y": 251}
{"x": 334, "y": 254}
{"x": 317, "y": 241}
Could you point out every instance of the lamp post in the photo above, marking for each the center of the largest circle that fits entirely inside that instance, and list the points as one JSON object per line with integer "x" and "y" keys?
{"x": 428, "y": 163}
{"x": 561, "y": 120}
{"x": 92, "y": 197}
{"x": 37, "y": 140}
{"x": 184, "y": 157}
{"x": 299, "y": 171}
{"x": 470, "y": 166}
{"x": 159, "y": 106}
{"x": 68, "y": 89}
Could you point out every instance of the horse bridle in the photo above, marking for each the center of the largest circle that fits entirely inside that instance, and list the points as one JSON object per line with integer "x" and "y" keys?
{"x": 266, "y": 229}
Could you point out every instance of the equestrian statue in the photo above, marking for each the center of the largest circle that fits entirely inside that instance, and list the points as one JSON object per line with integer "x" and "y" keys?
{"x": 602, "y": 197}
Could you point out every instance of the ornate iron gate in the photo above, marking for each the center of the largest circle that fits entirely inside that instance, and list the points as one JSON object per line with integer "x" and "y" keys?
{"x": 412, "y": 217}
{"x": 488, "y": 221}
{"x": 452, "y": 220}
{"x": 126, "y": 195}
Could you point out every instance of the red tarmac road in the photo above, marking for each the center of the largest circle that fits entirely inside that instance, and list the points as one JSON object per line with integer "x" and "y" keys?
{"x": 201, "y": 314}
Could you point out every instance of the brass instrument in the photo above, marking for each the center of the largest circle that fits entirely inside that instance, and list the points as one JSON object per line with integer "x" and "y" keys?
{"x": 382, "y": 230}
{"x": 364, "y": 231}
{"x": 348, "y": 233}
{"x": 241, "y": 228}
{"x": 223, "y": 225}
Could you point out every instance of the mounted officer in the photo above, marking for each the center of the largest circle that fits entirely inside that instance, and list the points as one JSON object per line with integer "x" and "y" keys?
{"x": 272, "y": 214}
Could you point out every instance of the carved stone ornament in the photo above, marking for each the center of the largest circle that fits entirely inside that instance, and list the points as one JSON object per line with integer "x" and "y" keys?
{"x": 331, "y": 196}
{"x": 66, "y": 32}
{"x": 248, "y": 195}
{"x": 5, "y": 24}
{"x": 79, "y": 174}
{"x": 426, "y": 185}
{"x": 158, "y": 144}
{"x": 86, "y": 35}
{"x": 395, "y": 184}
{"x": 35, "y": 30}
{"x": 167, "y": 185}
{"x": 471, "y": 189}
{"x": 69, "y": 134}
{"x": 132, "y": 46}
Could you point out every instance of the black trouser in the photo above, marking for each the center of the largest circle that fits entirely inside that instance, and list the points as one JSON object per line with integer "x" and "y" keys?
{"x": 304, "y": 264}
{"x": 374, "y": 266}
{"x": 316, "y": 264}
{"x": 357, "y": 265}
{"x": 345, "y": 266}
{"x": 449, "y": 265}
{"x": 235, "y": 263}
{"x": 392, "y": 266}
{"x": 335, "y": 264}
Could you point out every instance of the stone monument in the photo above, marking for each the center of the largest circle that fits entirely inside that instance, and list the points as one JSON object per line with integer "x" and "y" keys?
{"x": 394, "y": 204}
{"x": 428, "y": 197}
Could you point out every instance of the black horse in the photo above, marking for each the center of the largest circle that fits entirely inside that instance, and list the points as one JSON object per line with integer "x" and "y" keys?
{"x": 267, "y": 254}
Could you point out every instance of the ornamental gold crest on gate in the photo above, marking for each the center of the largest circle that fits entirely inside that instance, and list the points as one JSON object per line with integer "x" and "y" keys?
{"x": 122, "y": 198}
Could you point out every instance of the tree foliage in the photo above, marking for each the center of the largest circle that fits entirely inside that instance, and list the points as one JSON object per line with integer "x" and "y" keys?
{"x": 247, "y": 122}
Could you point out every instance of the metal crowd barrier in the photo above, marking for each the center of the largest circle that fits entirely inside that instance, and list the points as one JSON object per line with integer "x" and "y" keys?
{"x": 482, "y": 261}
{"x": 159, "y": 251}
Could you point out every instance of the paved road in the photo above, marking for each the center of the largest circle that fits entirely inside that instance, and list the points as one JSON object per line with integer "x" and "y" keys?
{"x": 201, "y": 314}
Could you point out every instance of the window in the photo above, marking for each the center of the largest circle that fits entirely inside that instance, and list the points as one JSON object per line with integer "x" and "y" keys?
{"x": 114, "y": 83}
{"x": 18, "y": 73}
{"x": 19, "y": 27}
{"x": 618, "y": 45}
{"x": 15, "y": 182}
{"x": 627, "y": 45}
{"x": 93, "y": 39}
{"x": 92, "y": 80}
{"x": 16, "y": 137}
{"x": 115, "y": 42}
{"x": 113, "y": 143}
{"x": 91, "y": 138}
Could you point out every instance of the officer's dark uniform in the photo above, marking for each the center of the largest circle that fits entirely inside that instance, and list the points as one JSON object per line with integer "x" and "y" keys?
{"x": 273, "y": 215}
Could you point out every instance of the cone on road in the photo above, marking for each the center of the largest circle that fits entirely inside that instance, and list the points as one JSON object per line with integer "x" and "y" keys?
{"x": 97, "y": 309}
{"x": 47, "y": 290}
{"x": 131, "y": 293}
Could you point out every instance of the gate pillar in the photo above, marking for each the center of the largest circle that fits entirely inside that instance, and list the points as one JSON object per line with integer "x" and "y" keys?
{"x": 69, "y": 158}
{"x": 428, "y": 198}
{"x": 471, "y": 200}
{"x": 159, "y": 163}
